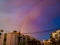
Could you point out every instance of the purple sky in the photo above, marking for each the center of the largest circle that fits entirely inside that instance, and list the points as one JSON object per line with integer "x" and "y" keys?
{"x": 29, "y": 16}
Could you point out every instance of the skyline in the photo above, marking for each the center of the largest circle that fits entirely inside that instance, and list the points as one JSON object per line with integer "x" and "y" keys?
{"x": 30, "y": 16}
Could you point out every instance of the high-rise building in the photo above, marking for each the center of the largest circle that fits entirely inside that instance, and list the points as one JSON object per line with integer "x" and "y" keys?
{"x": 1, "y": 37}
{"x": 16, "y": 38}
{"x": 12, "y": 38}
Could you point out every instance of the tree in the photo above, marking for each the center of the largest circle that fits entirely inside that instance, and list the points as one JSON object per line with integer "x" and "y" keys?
{"x": 5, "y": 38}
{"x": 1, "y": 30}
{"x": 53, "y": 42}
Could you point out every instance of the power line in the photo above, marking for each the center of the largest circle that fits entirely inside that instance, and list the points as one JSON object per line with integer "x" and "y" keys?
{"x": 45, "y": 31}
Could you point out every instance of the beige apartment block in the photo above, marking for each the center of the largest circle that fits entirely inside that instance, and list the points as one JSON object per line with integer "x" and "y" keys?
{"x": 1, "y": 39}
{"x": 12, "y": 38}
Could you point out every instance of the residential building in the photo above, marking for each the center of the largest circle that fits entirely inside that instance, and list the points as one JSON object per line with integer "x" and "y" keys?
{"x": 12, "y": 38}
{"x": 16, "y": 38}
{"x": 1, "y": 37}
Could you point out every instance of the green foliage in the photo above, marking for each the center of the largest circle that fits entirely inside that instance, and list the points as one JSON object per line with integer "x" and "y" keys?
{"x": 5, "y": 35}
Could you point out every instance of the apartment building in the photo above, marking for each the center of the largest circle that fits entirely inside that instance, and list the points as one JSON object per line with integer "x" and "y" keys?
{"x": 12, "y": 38}
{"x": 1, "y": 37}
{"x": 16, "y": 38}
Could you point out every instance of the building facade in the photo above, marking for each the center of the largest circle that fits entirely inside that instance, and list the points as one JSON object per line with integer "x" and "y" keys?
{"x": 12, "y": 38}
{"x": 16, "y": 38}
{"x": 1, "y": 37}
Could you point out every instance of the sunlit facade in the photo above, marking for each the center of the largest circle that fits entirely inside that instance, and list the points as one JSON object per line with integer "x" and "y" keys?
{"x": 12, "y": 38}
{"x": 1, "y": 39}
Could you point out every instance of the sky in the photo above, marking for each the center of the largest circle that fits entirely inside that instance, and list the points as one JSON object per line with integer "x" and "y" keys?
{"x": 30, "y": 16}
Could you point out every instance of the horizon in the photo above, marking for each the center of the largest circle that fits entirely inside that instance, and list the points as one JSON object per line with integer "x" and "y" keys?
{"x": 28, "y": 33}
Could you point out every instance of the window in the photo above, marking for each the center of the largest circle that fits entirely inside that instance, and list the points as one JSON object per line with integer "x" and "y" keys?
{"x": 0, "y": 33}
